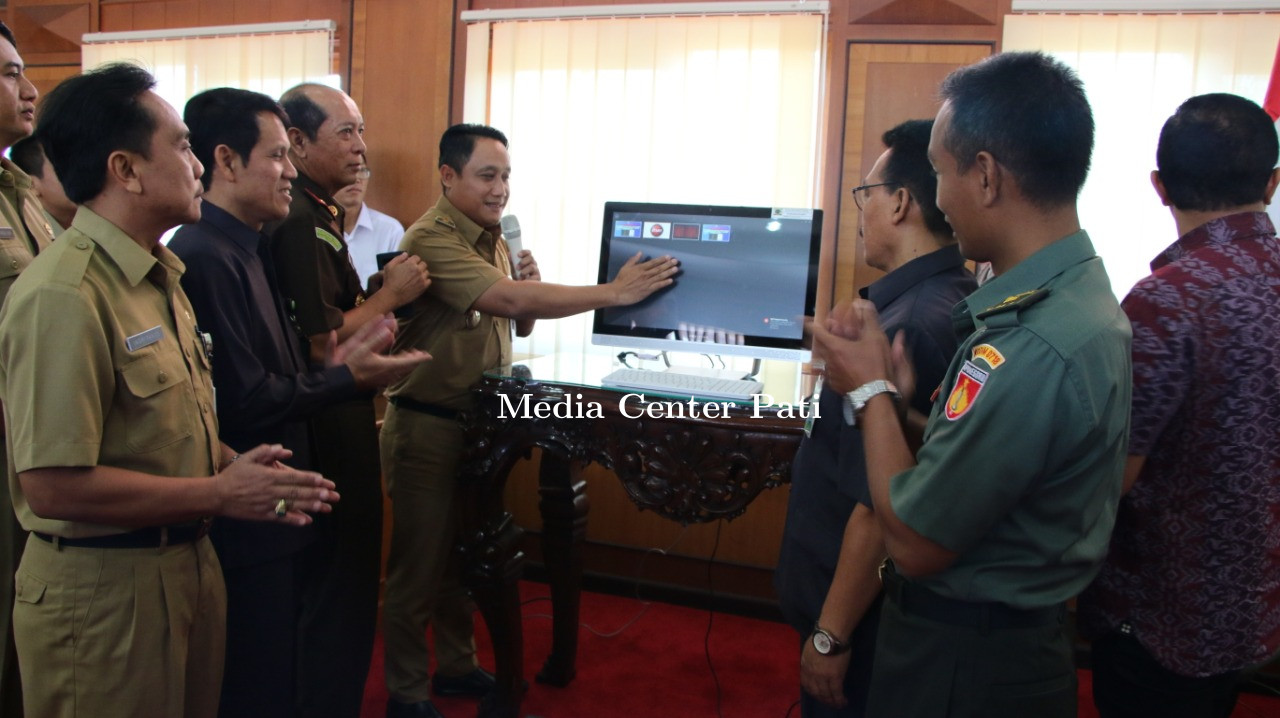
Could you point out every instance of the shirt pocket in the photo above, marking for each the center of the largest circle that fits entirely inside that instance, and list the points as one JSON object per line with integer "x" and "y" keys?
{"x": 15, "y": 255}
{"x": 154, "y": 401}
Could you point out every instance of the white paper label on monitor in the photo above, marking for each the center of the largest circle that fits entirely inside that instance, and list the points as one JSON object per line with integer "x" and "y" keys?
{"x": 791, "y": 213}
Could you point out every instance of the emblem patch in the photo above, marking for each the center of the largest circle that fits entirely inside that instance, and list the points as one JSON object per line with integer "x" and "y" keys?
{"x": 968, "y": 384}
{"x": 988, "y": 354}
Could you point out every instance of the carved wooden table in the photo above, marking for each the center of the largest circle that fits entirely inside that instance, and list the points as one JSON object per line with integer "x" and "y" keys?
{"x": 688, "y": 469}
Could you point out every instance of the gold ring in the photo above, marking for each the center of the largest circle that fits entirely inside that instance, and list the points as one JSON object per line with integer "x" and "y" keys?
{"x": 282, "y": 508}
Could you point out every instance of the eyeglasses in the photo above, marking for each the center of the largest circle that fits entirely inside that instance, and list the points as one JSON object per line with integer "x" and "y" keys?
{"x": 363, "y": 173}
{"x": 858, "y": 192}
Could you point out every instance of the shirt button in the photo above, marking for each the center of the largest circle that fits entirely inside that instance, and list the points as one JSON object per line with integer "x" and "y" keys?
{"x": 82, "y": 244}
{"x": 13, "y": 264}
{"x": 162, "y": 377}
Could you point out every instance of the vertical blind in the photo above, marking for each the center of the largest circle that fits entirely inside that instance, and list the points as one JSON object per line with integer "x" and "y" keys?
{"x": 702, "y": 110}
{"x": 1136, "y": 70}
{"x": 267, "y": 63}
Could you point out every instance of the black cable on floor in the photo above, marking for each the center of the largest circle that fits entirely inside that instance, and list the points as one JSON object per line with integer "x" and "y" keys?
{"x": 711, "y": 614}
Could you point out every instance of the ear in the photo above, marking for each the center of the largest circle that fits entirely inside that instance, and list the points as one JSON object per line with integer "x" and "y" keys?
{"x": 448, "y": 176}
{"x": 122, "y": 169}
{"x": 1271, "y": 186}
{"x": 297, "y": 142}
{"x": 990, "y": 177}
{"x": 1163, "y": 193}
{"x": 224, "y": 163}
{"x": 902, "y": 205}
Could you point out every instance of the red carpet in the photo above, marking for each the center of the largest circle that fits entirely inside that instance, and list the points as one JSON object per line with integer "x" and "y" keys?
{"x": 656, "y": 666}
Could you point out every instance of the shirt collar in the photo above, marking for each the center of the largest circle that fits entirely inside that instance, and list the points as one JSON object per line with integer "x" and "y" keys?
{"x": 365, "y": 220}
{"x": 885, "y": 290}
{"x": 317, "y": 196}
{"x": 466, "y": 226}
{"x": 12, "y": 176}
{"x": 134, "y": 262}
{"x": 1219, "y": 231}
{"x": 240, "y": 233}
{"x": 1031, "y": 273}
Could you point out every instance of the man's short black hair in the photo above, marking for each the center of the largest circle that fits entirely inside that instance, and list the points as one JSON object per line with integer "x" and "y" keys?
{"x": 458, "y": 142}
{"x": 302, "y": 111}
{"x": 226, "y": 116}
{"x": 28, "y": 156}
{"x": 89, "y": 116}
{"x": 908, "y": 166}
{"x": 7, "y": 34}
{"x": 1030, "y": 112}
{"x": 1217, "y": 152}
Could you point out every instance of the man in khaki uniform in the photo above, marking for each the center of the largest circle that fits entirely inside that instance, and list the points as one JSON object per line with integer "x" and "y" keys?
{"x": 23, "y": 233}
{"x": 115, "y": 464}
{"x": 28, "y": 155}
{"x": 464, "y": 321}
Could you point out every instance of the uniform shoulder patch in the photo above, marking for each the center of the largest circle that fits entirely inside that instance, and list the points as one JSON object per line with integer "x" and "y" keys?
{"x": 446, "y": 220}
{"x": 988, "y": 354}
{"x": 964, "y": 392}
{"x": 1017, "y": 301}
{"x": 329, "y": 238}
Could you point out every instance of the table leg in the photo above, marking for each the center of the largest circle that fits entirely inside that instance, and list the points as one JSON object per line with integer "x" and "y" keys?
{"x": 493, "y": 560}
{"x": 564, "y": 507}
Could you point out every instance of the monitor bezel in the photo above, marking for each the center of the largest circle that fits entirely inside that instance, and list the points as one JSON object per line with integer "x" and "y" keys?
{"x": 756, "y": 346}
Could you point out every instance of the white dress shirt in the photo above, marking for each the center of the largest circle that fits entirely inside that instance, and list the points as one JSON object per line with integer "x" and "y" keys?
{"x": 373, "y": 234}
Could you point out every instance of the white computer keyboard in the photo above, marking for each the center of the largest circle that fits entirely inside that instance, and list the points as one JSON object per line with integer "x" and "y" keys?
{"x": 666, "y": 382}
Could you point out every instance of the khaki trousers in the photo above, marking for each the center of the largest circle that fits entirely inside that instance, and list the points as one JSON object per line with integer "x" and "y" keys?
{"x": 420, "y": 455}
{"x": 120, "y": 632}
{"x": 12, "y": 537}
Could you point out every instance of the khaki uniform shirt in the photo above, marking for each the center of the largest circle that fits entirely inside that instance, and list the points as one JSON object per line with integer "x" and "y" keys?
{"x": 22, "y": 223}
{"x": 101, "y": 364}
{"x": 464, "y": 259}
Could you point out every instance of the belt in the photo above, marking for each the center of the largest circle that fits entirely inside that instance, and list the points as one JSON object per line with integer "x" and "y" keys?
{"x": 917, "y": 600}
{"x": 150, "y": 537}
{"x": 404, "y": 402}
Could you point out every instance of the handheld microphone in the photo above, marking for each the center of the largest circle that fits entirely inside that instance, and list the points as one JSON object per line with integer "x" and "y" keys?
{"x": 511, "y": 232}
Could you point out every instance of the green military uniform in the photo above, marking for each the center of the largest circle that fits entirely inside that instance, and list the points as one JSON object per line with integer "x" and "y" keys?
{"x": 340, "y": 604}
{"x": 422, "y": 444}
{"x": 101, "y": 364}
{"x": 23, "y": 233}
{"x": 1020, "y": 475}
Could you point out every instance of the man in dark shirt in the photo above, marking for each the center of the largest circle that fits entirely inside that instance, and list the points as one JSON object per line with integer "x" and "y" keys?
{"x": 1188, "y": 596}
{"x": 831, "y": 548}
{"x": 265, "y": 390}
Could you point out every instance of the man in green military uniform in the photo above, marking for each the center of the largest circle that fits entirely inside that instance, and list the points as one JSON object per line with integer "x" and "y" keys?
{"x": 1006, "y": 511}
{"x": 23, "y": 233}
{"x": 464, "y": 322}
{"x": 114, "y": 461}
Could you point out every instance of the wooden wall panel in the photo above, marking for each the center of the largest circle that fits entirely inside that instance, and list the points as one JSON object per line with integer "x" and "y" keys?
{"x": 403, "y": 90}
{"x": 888, "y": 83}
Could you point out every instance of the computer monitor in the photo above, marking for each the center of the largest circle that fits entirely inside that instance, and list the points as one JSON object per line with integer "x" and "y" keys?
{"x": 748, "y": 276}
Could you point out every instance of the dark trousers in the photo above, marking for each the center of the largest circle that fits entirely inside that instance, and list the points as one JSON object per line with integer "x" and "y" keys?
{"x": 1129, "y": 683}
{"x": 340, "y": 609}
{"x": 925, "y": 668}
{"x": 263, "y": 601}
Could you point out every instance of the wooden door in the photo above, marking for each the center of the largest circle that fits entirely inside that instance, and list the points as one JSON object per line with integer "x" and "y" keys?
{"x": 888, "y": 84}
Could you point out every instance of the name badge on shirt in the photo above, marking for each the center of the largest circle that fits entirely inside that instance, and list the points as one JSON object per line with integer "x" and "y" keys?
{"x": 6, "y": 233}
{"x": 144, "y": 339}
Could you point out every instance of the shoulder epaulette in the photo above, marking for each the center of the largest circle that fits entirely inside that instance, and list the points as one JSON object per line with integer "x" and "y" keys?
{"x": 74, "y": 261}
{"x": 446, "y": 220}
{"x": 1017, "y": 302}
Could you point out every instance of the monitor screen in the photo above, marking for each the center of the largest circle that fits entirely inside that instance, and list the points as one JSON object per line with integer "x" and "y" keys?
{"x": 748, "y": 276}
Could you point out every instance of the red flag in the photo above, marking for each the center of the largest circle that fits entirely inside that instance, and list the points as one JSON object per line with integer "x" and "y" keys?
{"x": 1272, "y": 103}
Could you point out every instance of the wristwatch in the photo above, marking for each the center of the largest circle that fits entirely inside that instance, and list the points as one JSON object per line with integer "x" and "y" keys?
{"x": 826, "y": 643}
{"x": 856, "y": 400}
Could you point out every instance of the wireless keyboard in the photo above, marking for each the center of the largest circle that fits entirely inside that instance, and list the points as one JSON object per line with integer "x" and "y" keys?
{"x": 666, "y": 382}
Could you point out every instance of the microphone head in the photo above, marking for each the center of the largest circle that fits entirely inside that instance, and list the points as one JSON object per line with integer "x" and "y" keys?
{"x": 510, "y": 227}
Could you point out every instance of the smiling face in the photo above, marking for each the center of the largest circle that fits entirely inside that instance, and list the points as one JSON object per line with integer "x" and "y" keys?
{"x": 263, "y": 183}
{"x": 481, "y": 190}
{"x": 169, "y": 178}
{"x": 17, "y": 97}
{"x": 959, "y": 196}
